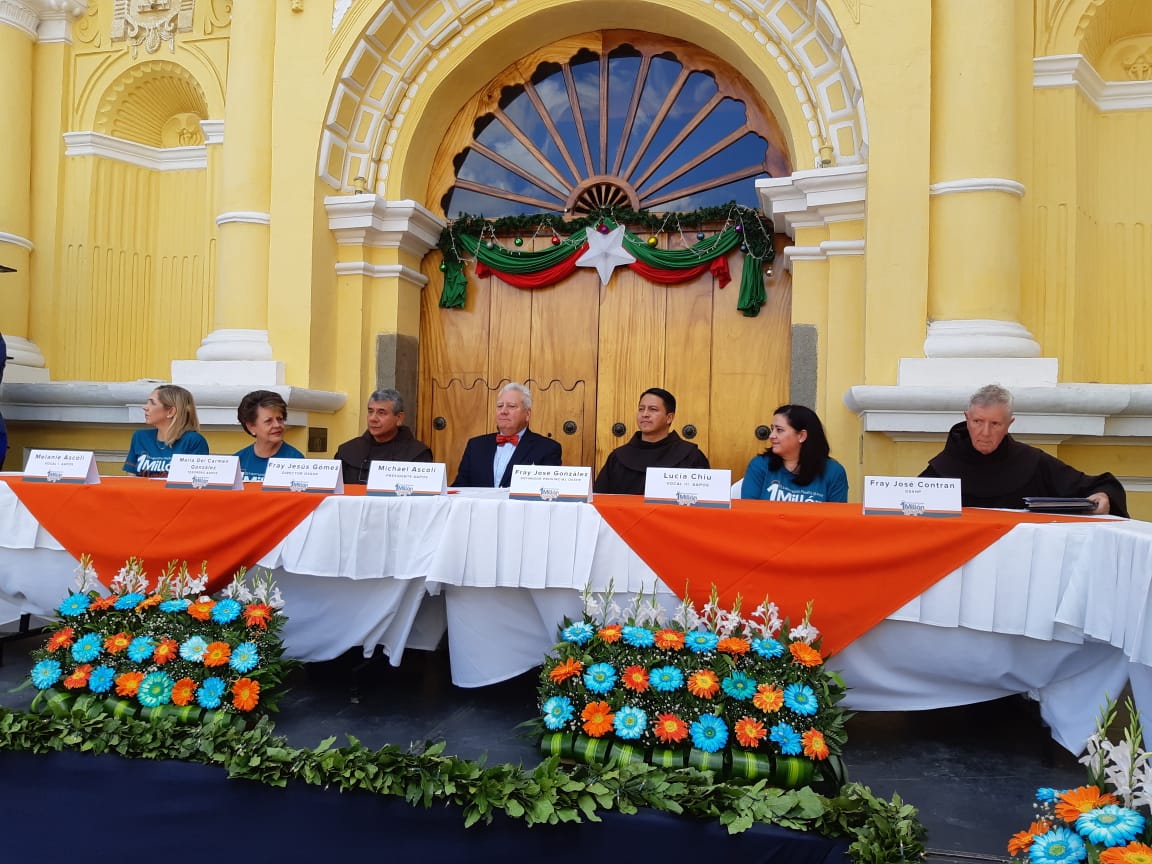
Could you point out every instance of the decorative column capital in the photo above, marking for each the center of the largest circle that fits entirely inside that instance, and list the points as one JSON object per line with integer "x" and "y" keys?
{"x": 812, "y": 199}
{"x": 42, "y": 20}
{"x": 368, "y": 220}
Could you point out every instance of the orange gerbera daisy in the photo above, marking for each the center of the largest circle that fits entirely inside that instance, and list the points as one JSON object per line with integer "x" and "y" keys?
{"x": 257, "y": 615}
{"x": 597, "y": 718}
{"x": 1020, "y": 842}
{"x": 750, "y": 732}
{"x": 246, "y": 694}
{"x": 1133, "y": 853}
{"x": 815, "y": 747}
{"x": 636, "y": 678}
{"x": 669, "y": 640}
{"x": 128, "y": 684}
{"x": 703, "y": 683}
{"x": 117, "y": 642}
{"x": 217, "y": 654}
{"x": 61, "y": 639}
{"x": 734, "y": 645}
{"x": 611, "y": 632}
{"x": 79, "y": 677}
{"x": 102, "y": 603}
{"x": 563, "y": 671}
{"x": 1072, "y": 803}
{"x": 671, "y": 729}
{"x": 768, "y": 698}
{"x": 166, "y": 649}
{"x": 148, "y": 602}
{"x": 805, "y": 654}
{"x": 183, "y": 691}
{"x": 201, "y": 610}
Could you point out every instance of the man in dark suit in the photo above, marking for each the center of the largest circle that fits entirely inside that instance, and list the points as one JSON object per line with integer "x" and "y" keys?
{"x": 487, "y": 457}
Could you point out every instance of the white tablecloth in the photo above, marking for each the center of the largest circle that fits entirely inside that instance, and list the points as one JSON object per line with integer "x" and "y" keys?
{"x": 1058, "y": 610}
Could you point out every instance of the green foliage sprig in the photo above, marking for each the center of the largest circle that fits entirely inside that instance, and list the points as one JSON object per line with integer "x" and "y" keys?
{"x": 881, "y": 832}
{"x": 757, "y": 229}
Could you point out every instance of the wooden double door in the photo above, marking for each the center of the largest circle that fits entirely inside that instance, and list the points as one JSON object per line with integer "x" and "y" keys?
{"x": 587, "y": 352}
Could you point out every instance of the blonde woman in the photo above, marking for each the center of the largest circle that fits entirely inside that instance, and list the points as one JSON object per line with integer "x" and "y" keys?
{"x": 170, "y": 412}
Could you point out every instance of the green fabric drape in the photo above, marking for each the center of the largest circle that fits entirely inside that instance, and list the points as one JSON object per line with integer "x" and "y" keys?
{"x": 752, "y": 296}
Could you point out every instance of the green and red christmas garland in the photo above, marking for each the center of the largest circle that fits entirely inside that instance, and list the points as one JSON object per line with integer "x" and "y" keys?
{"x": 471, "y": 239}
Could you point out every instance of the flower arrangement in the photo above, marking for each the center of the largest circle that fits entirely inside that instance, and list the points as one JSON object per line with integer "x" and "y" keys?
{"x": 1105, "y": 821}
{"x": 745, "y": 697}
{"x": 172, "y": 650}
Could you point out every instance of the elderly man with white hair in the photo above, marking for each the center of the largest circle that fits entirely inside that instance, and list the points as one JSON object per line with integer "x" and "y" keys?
{"x": 996, "y": 470}
{"x": 488, "y": 459}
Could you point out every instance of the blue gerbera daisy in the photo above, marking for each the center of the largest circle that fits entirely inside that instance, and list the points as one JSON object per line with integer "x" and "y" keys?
{"x": 140, "y": 649}
{"x": 787, "y": 738}
{"x": 557, "y": 711}
{"x": 637, "y": 637}
{"x": 193, "y": 649}
{"x": 129, "y": 601}
{"x": 739, "y": 686}
{"x": 801, "y": 698}
{"x": 1058, "y": 846}
{"x": 630, "y": 723}
{"x": 710, "y": 733}
{"x": 177, "y": 605}
{"x": 600, "y": 677}
{"x": 1047, "y": 795}
{"x": 75, "y": 604}
{"x": 666, "y": 679}
{"x": 701, "y": 641}
{"x": 87, "y": 648}
{"x": 579, "y": 633}
{"x": 226, "y": 610}
{"x": 244, "y": 657}
{"x": 45, "y": 674}
{"x": 767, "y": 648}
{"x": 1110, "y": 825}
{"x": 155, "y": 689}
{"x": 100, "y": 681}
{"x": 209, "y": 693}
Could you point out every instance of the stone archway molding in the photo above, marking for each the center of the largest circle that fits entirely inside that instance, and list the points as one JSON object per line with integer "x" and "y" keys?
{"x": 395, "y": 56}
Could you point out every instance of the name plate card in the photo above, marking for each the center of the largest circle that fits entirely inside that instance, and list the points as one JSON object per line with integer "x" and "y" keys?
{"x": 563, "y": 483}
{"x": 204, "y": 471}
{"x": 911, "y": 496}
{"x": 304, "y": 475}
{"x": 62, "y": 466}
{"x": 404, "y": 479}
{"x": 689, "y": 487}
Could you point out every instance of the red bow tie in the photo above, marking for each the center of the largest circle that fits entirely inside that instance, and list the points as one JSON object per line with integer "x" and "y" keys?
{"x": 507, "y": 439}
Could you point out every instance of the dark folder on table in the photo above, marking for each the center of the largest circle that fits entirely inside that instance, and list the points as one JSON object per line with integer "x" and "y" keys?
{"x": 1059, "y": 505}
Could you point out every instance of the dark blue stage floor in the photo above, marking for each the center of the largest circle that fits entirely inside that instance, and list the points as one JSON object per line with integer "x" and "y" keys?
{"x": 971, "y": 771}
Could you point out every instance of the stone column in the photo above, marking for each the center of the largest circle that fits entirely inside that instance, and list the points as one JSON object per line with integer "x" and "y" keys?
{"x": 238, "y": 349}
{"x": 975, "y": 204}
{"x": 23, "y": 23}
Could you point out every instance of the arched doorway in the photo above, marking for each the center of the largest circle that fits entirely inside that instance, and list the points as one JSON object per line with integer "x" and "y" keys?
{"x": 618, "y": 119}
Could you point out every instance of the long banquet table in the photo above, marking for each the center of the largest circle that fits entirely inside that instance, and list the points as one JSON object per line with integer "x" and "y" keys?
{"x": 1058, "y": 610}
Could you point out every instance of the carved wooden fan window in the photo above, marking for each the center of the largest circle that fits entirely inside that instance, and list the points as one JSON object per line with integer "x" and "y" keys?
{"x": 637, "y": 121}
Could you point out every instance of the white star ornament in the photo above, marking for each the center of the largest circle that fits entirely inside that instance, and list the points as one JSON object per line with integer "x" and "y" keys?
{"x": 605, "y": 252}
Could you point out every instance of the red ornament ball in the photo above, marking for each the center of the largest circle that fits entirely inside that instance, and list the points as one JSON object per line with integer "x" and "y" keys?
{"x": 555, "y": 240}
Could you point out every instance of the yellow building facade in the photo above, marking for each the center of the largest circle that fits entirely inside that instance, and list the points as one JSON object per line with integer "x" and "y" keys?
{"x": 244, "y": 194}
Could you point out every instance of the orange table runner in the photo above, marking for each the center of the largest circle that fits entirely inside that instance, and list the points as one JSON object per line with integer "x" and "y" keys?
{"x": 857, "y": 569}
{"x": 128, "y": 516}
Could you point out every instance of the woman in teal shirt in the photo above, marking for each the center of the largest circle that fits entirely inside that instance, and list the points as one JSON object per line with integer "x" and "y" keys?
{"x": 797, "y": 466}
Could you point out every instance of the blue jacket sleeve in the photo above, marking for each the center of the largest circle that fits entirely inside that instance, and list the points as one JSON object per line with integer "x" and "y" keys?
{"x": 753, "y": 485}
{"x": 837, "y": 482}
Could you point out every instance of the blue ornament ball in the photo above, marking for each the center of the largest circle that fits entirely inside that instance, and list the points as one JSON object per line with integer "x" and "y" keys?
{"x": 699, "y": 235}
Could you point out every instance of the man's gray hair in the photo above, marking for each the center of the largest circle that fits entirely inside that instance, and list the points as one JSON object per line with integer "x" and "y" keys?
{"x": 389, "y": 395}
{"x": 990, "y": 395}
{"x": 525, "y": 393}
